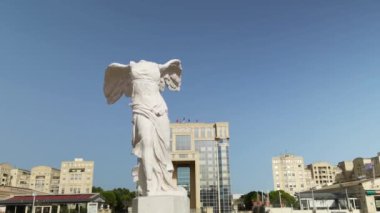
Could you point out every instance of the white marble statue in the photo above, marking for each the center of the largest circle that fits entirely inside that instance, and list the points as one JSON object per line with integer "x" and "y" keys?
{"x": 144, "y": 81}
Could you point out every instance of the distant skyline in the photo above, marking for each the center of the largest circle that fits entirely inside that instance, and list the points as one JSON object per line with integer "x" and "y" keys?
{"x": 300, "y": 77}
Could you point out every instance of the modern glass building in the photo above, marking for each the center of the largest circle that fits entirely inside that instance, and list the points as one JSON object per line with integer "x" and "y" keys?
{"x": 183, "y": 178}
{"x": 200, "y": 154}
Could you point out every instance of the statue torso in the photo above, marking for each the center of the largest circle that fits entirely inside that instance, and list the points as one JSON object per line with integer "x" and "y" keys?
{"x": 145, "y": 81}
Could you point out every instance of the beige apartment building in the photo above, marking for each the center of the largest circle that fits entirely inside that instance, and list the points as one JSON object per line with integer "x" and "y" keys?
{"x": 76, "y": 176}
{"x": 44, "y": 179}
{"x": 290, "y": 174}
{"x": 323, "y": 173}
{"x": 376, "y": 164}
{"x": 200, "y": 155}
{"x": 360, "y": 168}
{"x": 347, "y": 168}
{"x": 20, "y": 178}
{"x": 5, "y": 174}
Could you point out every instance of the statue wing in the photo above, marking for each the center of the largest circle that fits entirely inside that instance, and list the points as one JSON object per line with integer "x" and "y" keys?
{"x": 117, "y": 82}
{"x": 171, "y": 75}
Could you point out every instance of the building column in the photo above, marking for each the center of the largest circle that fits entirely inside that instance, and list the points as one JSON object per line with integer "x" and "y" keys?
{"x": 193, "y": 194}
{"x": 369, "y": 204}
{"x": 58, "y": 209}
{"x": 197, "y": 182}
{"x": 15, "y": 209}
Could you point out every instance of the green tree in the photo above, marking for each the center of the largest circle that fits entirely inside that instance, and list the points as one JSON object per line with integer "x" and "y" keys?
{"x": 97, "y": 189}
{"x": 251, "y": 197}
{"x": 124, "y": 198}
{"x": 286, "y": 199}
{"x": 110, "y": 198}
{"x": 119, "y": 198}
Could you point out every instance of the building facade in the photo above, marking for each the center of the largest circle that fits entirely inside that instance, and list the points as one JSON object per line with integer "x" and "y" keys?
{"x": 290, "y": 174}
{"x": 45, "y": 179}
{"x": 20, "y": 178}
{"x": 359, "y": 168}
{"x": 27, "y": 203}
{"x": 5, "y": 174}
{"x": 76, "y": 177}
{"x": 376, "y": 165}
{"x": 352, "y": 196}
{"x": 200, "y": 154}
{"x": 323, "y": 173}
{"x": 346, "y": 174}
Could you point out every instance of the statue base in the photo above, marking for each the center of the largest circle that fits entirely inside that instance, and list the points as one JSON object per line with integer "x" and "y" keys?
{"x": 161, "y": 204}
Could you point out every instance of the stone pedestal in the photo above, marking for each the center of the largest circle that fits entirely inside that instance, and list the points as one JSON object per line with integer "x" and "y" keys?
{"x": 161, "y": 204}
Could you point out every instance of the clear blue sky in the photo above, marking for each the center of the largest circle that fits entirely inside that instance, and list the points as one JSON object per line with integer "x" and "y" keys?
{"x": 290, "y": 76}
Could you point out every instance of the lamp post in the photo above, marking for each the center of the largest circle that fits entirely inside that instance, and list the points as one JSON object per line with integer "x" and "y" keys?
{"x": 312, "y": 194}
{"x": 348, "y": 201}
{"x": 34, "y": 200}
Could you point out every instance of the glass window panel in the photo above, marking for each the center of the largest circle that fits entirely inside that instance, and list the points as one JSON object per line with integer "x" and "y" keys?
{"x": 203, "y": 132}
{"x": 196, "y": 132}
{"x": 183, "y": 142}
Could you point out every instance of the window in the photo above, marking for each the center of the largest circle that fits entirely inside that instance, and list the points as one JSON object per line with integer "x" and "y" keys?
{"x": 196, "y": 132}
{"x": 208, "y": 132}
{"x": 183, "y": 142}
{"x": 203, "y": 132}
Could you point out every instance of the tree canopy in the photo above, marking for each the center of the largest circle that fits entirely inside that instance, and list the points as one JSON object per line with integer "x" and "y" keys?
{"x": 274, "y": 198}
{"x": 253, "y": 196}
{"x": 286, "y": 199}
{"x": 118, "y": 199}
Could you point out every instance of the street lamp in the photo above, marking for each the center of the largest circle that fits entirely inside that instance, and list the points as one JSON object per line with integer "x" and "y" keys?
{"x": 312, "y": 194}
{"x": 34, "y": 200}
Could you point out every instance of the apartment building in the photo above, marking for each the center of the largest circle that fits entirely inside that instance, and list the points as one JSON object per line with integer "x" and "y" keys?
{"x": 360, "y": 168}
{"x": 376, "y": 164}
{"x": 45, "y": 179}
{"x": 290, "y": 174}
{"x": 20, "y": 178}
{"x": 5, "y": 174}
{"x": 347, "y": 169}
{"x": 323, "y": 173}
{"x": 76, "y": 176}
